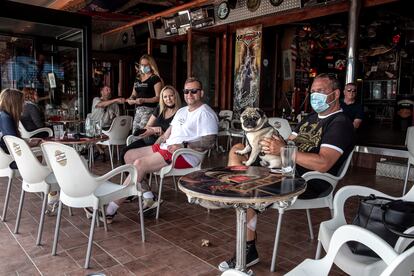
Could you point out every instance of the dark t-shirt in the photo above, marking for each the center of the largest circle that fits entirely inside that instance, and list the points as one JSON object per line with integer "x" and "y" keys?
{"x": 335, "y": 131}
{"x": 145, "y": 89}
{"x": 7, "y": 127}
{"x": 161, "y": 120}
{"x": 32, "y": 117}
{"x": 353, "y": 111}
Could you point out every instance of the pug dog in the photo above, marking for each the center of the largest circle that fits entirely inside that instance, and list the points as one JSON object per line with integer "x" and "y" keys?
{"x": 254, "y": 122}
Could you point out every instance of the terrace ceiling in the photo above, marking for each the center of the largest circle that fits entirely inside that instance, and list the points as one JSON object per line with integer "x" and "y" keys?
{"x": 109, "y": 14}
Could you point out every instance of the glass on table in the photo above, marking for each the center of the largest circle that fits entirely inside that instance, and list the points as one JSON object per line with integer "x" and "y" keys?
{"x": 288, "y": 155}
{"x": 58, "y": 131}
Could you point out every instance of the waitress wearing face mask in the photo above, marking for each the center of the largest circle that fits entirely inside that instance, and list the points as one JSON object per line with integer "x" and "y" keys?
{"x": 146, "y": 92}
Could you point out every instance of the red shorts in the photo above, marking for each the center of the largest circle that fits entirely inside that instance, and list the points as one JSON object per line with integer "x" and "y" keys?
{"x": 180, "y": 163}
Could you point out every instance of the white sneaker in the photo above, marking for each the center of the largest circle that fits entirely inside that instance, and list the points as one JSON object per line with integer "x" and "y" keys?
{"x": 52, "y": 204}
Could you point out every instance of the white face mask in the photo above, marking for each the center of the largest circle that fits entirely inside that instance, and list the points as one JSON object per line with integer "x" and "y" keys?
{"x": 145, "y": 69}
{"x": 318, "y": 102}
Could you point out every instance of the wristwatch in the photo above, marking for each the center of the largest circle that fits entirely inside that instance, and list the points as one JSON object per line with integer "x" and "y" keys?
{"x": 185, "y": 144}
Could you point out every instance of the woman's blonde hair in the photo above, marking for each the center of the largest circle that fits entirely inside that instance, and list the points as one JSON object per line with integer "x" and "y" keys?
{"x": 11, "y": 101}
{"x": 177, "y": 99}
{"x": 29, "y": 94}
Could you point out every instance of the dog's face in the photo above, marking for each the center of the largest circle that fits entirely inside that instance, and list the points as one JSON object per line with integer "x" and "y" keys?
{"x": 252, "y": 119}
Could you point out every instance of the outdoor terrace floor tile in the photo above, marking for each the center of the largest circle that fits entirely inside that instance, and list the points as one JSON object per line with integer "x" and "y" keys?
{"x": 173, "y": 243}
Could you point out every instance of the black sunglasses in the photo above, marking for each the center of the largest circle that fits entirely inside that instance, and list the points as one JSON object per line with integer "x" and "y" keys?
{"x": 193, "y": 91}
{"x": 351, "y": 90}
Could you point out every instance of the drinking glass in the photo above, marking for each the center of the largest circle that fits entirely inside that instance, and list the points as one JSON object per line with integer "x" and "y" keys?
{"x": 58, "y": 132}
{"x": 288, "y": 156}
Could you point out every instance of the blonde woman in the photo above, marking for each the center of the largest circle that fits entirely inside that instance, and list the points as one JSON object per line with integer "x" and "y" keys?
{"x": 160, "y": 119}
{"x": 146, "y": 92}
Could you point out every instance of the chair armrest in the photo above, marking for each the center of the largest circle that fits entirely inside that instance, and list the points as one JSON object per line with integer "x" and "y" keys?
{"x": 165, "y": 170}
{"x": 40, "y": 130}
{"x": 125, "y": 168}
{"x": 182, "y": 151}
{"x": 131, "y": 138}
{"x": 342, "y": 235}
{"x": 333, "y": 180}
{"x": 402, "y": 242}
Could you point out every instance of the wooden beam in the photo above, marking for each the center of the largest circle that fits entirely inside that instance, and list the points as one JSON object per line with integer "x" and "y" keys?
{"x": 166, "y": 13}
{"x": 189, "y": 53}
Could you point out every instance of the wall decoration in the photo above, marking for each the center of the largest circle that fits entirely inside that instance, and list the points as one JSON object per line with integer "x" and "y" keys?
{"x": 52, "y": 80}
{"x": 276, "y": 2}
{"x": 247, "y": 68}
{"x": 287, "y": 64}
{"x": 253, "y": 5}
{"x": 223, "y": 10}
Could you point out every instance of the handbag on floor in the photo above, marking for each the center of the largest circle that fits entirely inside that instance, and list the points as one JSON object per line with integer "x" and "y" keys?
{"x": 385, "y": 217}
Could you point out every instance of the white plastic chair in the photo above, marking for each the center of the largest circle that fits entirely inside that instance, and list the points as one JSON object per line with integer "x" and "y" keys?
{"x": 314, "y": 203}
{"x": 36, "y": 178}
{"x": 28, "y": 134}
{"x": 117, "y": 133}
{"x": 234, "y": 272}
{"x": 409, "y": 142}
{"x": 79, "y": 188}
{"x": 6, "y": 171}
{"x": 396, "y": 264}
{"x": 169, "y": 170}
{"x": 225, "y": 117}
{"x": 282, "y": 125}
{"x": 347, "y": 261}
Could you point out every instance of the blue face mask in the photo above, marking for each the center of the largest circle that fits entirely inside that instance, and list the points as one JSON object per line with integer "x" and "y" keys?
{"x": 318, "y": 102}
{"x": 145, "y": 69}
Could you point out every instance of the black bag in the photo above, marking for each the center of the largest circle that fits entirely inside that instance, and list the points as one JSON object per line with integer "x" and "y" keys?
{"x": 385, "y": 217}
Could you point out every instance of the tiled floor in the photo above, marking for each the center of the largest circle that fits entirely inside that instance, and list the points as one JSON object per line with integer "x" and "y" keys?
{"x": 173, "y": 244}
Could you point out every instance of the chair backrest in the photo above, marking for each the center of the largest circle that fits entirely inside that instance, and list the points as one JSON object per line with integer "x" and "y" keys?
{"x": 31, "y": 170}
{"x": 71, "y": 173}
{"x": 119, "y": 130}
{"x": 23, "y": 132}
{"x": 409, "y": 140}
{"x": 282, "y": 125}
{"x": 5, "y": 159}
{"x": 345, "y": 165}
{"x": 226, "y": 114}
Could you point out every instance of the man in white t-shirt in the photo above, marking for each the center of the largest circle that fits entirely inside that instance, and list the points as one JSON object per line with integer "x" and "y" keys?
{"x": 194, "y": 126}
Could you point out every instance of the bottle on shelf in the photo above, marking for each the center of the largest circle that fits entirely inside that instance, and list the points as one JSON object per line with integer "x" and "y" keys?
{"x": 283, "y": 113}
{"x": 292, "y": 115}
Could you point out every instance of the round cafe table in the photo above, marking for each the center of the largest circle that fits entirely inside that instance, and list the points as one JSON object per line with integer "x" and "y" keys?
{"x": 240, "y": 187}
{"x": 78, "y": 143}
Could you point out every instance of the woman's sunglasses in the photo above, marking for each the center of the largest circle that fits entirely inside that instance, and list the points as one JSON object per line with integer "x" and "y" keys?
{"x": 193, "y": 91}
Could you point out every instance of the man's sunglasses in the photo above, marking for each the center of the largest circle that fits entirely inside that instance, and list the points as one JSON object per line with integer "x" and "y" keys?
{"x": 192, "y": 91}
{"x": 351, "y": 90}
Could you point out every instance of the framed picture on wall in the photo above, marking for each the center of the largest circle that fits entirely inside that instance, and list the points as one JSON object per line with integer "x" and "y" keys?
{"x": 287, "y": 64}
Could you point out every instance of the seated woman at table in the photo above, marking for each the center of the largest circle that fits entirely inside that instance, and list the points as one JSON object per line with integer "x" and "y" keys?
{"x": 159, "y": 121}
{"x": 32, "y": 117}
{"x": 11, "y": 107}
{"x": 105, "y": 109}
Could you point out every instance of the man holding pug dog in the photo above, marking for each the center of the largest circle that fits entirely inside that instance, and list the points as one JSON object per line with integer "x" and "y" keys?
{"x": 324, "y": 141}
{"x": 194, "y": 126}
